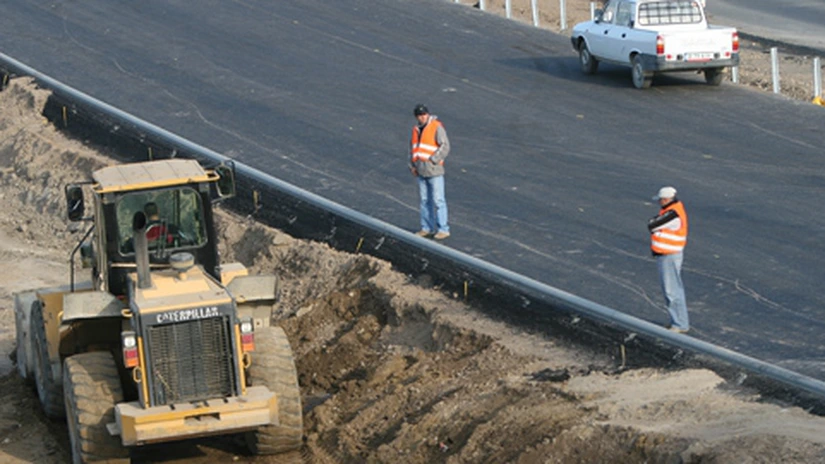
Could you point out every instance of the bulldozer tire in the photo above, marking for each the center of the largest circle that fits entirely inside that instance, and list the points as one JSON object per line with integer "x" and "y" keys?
{"x": 22, "y": 325}
{"x": 274, "y": 367}
{"x": 49, "y": 389}
{"x": 92, "y": 389}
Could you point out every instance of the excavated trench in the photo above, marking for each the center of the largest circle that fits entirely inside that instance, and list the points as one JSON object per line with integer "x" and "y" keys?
{"x": 392, "y": 371}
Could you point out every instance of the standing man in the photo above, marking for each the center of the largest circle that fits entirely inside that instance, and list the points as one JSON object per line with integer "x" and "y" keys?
{"x": 668, "y": 236}
{"x": 428, "y": 148}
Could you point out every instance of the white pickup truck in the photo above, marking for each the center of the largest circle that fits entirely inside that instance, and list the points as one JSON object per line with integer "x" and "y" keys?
{"x": 656, "y": 36}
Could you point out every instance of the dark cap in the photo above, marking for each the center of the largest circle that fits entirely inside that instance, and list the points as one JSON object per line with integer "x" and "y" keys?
{"x": 420, "y": 109}
{"x": 151, "y": 209}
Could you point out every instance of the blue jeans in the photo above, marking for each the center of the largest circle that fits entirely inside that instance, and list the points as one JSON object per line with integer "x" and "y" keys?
{"x": 433, "y": 204}
{"x": 670, "y": 274}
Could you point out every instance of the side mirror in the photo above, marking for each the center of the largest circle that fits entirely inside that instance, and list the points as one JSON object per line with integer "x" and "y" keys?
{"x": 74, "y": 202}
{"x": 226, "y": 180}
{"x": 597, "y": 15}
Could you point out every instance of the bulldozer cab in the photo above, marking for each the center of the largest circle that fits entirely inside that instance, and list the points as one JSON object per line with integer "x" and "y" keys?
{"x": 163, "y": 333}
{"x": 175, "y": 220}
{"x": 175, "y": 196}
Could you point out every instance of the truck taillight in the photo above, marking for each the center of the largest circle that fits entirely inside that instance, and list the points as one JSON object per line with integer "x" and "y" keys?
{"x": 735, "y": 42}
{"x": 130, "y": 349}
{"x": 247, "y": 336}
{"x": 660, "y": 45}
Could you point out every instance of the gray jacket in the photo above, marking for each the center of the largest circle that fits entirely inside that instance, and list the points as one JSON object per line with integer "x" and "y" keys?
{"x": 433, "y": 167}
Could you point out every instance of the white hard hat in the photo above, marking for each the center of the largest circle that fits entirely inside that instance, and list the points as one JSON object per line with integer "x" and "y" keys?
{"x": 665, "y": 192}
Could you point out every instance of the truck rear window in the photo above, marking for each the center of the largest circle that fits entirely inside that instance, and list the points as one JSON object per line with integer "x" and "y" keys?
{"x": 657, "y": 13}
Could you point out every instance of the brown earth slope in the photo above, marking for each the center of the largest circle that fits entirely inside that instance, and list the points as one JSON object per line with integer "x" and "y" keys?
{"x": 390, "y": 370}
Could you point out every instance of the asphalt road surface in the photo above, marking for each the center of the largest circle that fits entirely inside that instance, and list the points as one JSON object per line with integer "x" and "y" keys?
{"x": 800, "y": 22}
{"x": 551, "y": 173}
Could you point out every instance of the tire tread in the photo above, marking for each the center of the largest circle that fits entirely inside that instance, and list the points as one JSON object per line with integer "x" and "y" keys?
{"x": 92, "y": 389}
{"x": 273, "y": 366}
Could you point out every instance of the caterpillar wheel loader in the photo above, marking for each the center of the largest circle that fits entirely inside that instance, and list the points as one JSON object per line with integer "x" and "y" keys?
{"x": 163, "y": 342}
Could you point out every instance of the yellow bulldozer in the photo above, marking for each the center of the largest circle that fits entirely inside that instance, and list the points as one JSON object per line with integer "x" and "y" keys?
{"x": 163, "y": 342}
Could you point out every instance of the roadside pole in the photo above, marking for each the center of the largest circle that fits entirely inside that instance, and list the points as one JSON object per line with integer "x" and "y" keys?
{"x": 775, "y": 69}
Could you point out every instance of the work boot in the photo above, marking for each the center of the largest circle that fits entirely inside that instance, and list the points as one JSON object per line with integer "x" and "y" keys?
{"x": 441, "y": 235}
{"x": 423, "y": 233}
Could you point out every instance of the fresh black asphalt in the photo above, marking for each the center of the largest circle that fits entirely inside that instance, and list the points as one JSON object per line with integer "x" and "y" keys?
{"x": 551, "y": 173}
{"x": 799, "y": 22}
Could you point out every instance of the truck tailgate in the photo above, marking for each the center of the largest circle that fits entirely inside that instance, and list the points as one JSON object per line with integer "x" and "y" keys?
{"x": 700, "y": 44}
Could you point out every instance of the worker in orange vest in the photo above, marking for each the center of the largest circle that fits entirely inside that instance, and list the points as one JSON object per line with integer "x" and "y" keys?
{"x": 428, "y": 148}
{"x": 668, "y": 237}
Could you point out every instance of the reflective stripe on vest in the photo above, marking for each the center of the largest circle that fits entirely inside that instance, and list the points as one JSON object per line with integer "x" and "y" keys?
{"x": 423, "y": 147}
{"x": 666, "y": 241}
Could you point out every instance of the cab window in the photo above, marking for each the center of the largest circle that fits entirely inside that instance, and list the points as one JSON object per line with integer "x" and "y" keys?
{"x": 624, "y": 14}
{"x": 174, "y": 219}
{"x": 609, "y": 12}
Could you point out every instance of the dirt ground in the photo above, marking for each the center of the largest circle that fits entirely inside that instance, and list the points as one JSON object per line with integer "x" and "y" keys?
{"x": 391, "y": 369}
{"x": 796, "y": 70}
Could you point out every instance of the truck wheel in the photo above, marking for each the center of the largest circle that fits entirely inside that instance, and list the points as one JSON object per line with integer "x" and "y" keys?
{"x": 714, "y": 76}
{"x": 92, "y": 389}
{"x": 274, "y": 367}
{"x": 641, "y": 79}
{"x": 589, "y": 64}
{"x": 49, "y": 389}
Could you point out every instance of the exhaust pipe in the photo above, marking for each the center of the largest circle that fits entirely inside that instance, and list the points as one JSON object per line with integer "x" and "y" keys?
{"x": 139, "y": 223}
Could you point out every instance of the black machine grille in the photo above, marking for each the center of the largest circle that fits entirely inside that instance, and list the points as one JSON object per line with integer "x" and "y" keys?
{"x": 191, "y": 361}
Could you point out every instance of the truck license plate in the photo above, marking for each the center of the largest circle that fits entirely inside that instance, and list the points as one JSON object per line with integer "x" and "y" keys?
{"x": 698, "y": 56}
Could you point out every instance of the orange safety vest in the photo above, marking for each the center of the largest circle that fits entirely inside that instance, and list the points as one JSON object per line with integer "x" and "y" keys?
{"x": 665, "y": 241}
{"x": 423, "y": 142}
